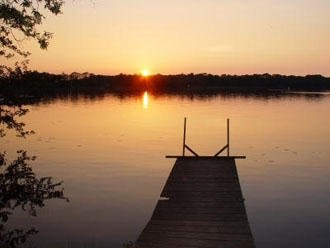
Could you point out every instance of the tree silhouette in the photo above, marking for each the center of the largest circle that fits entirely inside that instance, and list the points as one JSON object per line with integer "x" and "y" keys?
{"x": 20, "y": 20}
{"x": 19, "y": 185}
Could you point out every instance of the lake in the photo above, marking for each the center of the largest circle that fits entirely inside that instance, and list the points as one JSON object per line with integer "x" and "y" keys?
{"x": 110, "y": 153}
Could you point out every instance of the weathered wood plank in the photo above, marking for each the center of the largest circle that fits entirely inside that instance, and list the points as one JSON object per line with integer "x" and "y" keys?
{"x": 204, "y": 191}
{"x": 186, "y": 190}
{"x": 184, "y": 196}
{"x": 205, "y": 243}
{"x": 187, "y": 179}
{"x": 206, "y": 157}
{"x": 184, "y": 204}
{"x": 199, "y": 217}
{"x": 223, "y": 224}
{"x": 222, "y": 199}
{"x": 178, "y": 210}
{"x": 153, "y": 234}
{"x": 199, "y": 229}
{"x": 152, "y": 245}
{"x": 197, "y": 175}
{"x": 194, "y": 188}
{"x": 211, "y": 184}
{"x": 204, "y": 166}
{"x": 205, "y": 208}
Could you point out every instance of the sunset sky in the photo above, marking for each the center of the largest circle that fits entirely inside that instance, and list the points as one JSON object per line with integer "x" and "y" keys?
{"x": 183, "y": 36}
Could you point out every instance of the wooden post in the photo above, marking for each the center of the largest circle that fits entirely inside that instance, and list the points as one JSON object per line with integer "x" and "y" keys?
{"x": 228, "y": 137}
{"x": 184, "y": 136}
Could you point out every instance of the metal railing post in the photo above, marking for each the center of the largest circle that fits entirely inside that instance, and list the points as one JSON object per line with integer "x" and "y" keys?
{"x": 228, "y": 137}
{"x": 184, "y": 136}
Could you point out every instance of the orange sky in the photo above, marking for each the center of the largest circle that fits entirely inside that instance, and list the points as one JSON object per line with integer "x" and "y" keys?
{"x": 175, "y": 36}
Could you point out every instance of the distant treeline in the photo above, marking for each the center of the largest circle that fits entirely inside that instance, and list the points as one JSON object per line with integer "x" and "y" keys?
{"x": 37, "y": 84}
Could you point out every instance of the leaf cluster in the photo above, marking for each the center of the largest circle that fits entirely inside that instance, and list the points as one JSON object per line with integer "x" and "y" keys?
{"x": 23, "y": 17}
{"x": 8, "y": 121}
{"x": 19, "y": 185}
{"x": 21, "y": 188}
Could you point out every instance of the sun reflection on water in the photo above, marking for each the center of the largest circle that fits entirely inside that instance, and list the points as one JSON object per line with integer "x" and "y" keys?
{"x": 145, "y": 100}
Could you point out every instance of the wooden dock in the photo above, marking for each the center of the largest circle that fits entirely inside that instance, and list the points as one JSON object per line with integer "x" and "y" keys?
{"x": 203, "y": 208}
{"x": 202, "y": 205}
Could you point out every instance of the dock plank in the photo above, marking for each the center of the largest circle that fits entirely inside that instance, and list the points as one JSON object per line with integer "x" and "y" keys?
{"x": 204, "y": 208}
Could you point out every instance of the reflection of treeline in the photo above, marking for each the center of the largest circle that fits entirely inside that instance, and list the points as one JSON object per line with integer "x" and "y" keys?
{"x": 44, "y": 84}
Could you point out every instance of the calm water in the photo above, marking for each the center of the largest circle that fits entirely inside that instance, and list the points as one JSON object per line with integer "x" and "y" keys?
{"x": 110, "y": 153}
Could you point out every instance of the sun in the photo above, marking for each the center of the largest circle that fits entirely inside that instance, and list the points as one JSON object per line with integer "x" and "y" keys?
{"x": 145, "y": 72}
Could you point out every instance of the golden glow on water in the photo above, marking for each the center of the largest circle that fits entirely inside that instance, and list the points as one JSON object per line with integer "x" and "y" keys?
{"x": 145, "y": 100}
{"x": 112, "y": 159}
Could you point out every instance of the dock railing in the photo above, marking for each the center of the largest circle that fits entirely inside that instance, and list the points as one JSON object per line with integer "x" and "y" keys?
{"x": 185, "y": 146}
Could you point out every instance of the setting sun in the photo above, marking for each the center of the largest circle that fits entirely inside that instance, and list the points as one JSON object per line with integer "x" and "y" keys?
{"x": 145, "y": 72}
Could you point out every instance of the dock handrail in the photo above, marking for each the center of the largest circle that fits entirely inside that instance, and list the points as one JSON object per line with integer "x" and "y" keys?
{"x": 185, "y": 146}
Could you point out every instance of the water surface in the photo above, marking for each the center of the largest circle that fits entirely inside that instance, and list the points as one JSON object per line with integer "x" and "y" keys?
{"x": 110, "y": 153}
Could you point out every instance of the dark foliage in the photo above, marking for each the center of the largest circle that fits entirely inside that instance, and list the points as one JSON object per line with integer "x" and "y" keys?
{"x": 21, "y": 188}
{"x": 8, "y": 120}
{"x": 19, "y": 20}
{"x": 33, "y": 85}
{"x": 19, "y": 185}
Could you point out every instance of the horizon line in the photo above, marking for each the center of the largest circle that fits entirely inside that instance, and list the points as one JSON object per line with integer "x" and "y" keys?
{"x": 182, "y": 74}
